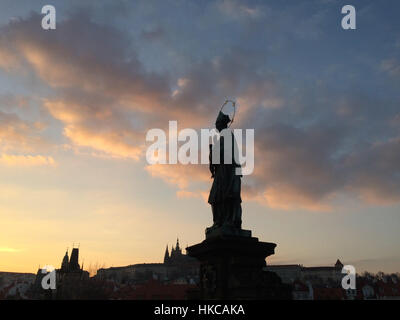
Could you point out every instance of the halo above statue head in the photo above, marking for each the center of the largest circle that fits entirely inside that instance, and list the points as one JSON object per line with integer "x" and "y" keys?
{"x": 234, "y": 110}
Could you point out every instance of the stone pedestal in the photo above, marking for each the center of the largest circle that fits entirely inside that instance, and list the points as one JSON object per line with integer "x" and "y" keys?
{"x": 231, "y": 266}
{"x": 224, "y": 231}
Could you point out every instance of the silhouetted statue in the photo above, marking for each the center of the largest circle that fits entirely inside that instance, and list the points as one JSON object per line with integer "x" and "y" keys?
{"x": 224, "y": 196}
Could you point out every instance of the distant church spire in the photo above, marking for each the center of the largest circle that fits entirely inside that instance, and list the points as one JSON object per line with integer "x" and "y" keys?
{"x": 166, "y": 255}
{"x": 64, "y": 263}
{"x": 73, "y": 261}
{"x": 338, "y": 264}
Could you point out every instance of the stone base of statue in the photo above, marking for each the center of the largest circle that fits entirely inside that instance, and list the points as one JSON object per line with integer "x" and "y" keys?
{"x": 231, "y": 266}
{"x": 225, "y": 230}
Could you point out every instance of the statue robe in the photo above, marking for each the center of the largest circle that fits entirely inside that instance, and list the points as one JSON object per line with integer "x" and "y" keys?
{"x": 224, "y": 195}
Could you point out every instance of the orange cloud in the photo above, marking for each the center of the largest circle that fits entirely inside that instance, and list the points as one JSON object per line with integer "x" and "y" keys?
{"x": 192, "y": 194}
{"x": 18, "y": 135}
{"x": 179, "y": 175}
{"x": 288, "y": 198}
{"x": 97, "y": 127}
{"x": 26, "y": 160}
{"x": 7, "y": 59}
{"x": 111, "y": 143}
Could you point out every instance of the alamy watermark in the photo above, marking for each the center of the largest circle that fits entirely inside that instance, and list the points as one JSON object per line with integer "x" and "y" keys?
{"x": 347, "y": 22}
{"x": 349, "y": 280}
{"x": 188, "y": 147}
{"x": 49, "y": 20}
{"x": 49, "y": 280}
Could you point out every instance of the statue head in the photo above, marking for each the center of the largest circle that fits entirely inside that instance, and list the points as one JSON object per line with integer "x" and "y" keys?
{"x": 222, "y": 121}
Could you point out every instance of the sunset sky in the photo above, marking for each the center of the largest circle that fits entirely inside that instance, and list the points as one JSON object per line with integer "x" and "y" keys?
{"x": 76, "y": 103}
